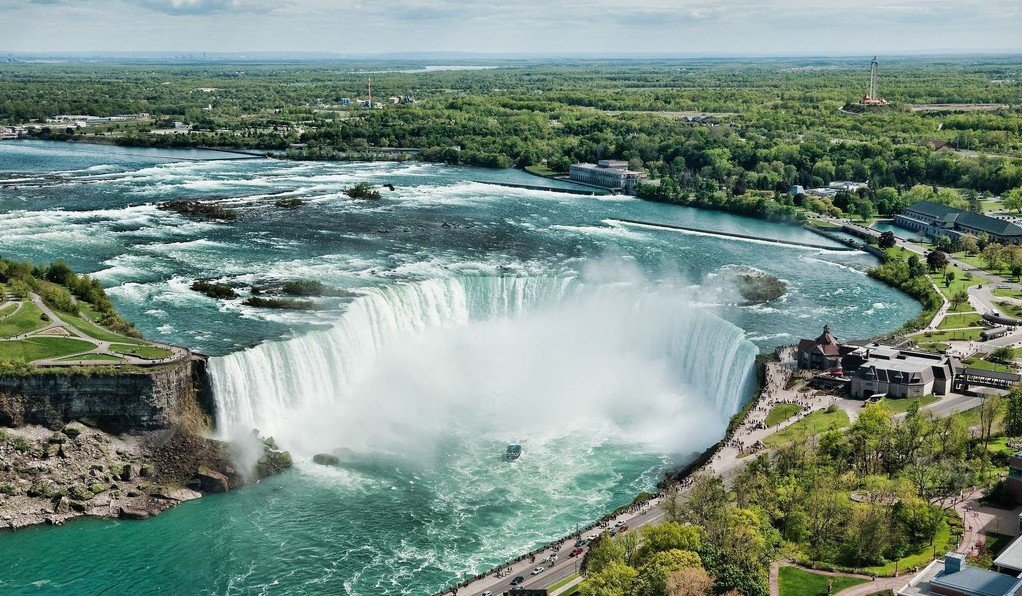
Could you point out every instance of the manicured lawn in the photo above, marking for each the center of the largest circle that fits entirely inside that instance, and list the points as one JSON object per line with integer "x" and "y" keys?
{"x": 962, "y": 308}
{"x": 942, "y": 336}
{"x": 8, "y": 309}
{"x": 987, "y": 365}
{"x": 959, "y": 283}
{"x": 93, "y": 330}
{"x": 147, "y": 352}
{"x": 811, "y": 425}
{"x": 933, "y": 346}
{"x": 792, "y": 581}
{"x": 1008, "y": 308}
{"x": 899, "y": 405}
{"x": 1007, "y": 293}
{"x": 92, "y": 358}
{"x": 29, "y": 318}
{"x": 781, "y": 412}
{"x": 36, "y": 348}
{"x": 541, "y": 169}
{"x": 957, "y": 321}
{"x": 563, "y": 582}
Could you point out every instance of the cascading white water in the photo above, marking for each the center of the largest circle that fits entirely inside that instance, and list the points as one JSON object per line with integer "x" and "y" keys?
{"x": 505, "y": 358}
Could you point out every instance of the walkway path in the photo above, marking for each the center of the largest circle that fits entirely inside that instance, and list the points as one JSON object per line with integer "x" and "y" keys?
{"x": 57, "y": 327}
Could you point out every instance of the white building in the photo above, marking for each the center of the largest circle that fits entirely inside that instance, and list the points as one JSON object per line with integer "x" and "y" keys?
{"x": 608, "y": 173}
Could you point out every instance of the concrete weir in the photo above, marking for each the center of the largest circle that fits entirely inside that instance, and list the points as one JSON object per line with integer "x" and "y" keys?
{"x": 731, "y": 235}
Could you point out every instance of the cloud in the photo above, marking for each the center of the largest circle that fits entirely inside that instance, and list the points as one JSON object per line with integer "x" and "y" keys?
{"x": 199, "y": 7}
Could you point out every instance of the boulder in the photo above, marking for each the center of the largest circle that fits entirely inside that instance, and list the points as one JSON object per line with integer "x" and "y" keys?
{"x": 126, "y": 513}
{"x": 325, "y": 459}
{"x": 211, "y": 481}
{"x": 180, "y": 495}
{"x": 273, "y": 462}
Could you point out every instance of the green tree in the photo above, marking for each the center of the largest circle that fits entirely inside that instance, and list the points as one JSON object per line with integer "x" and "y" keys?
{"x": 1013, "y": 412}
{"x": 1012, "y": 200}
{"x": 614, "y": 579}
{"x": 656, "y": 571}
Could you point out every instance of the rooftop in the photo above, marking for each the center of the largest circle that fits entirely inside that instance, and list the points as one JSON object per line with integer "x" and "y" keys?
{"x": 1011, "y": 557}
{"x": 971, "y": 581}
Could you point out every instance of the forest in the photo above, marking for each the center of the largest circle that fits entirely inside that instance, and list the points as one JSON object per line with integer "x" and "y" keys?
{"x": 728, "y": 134}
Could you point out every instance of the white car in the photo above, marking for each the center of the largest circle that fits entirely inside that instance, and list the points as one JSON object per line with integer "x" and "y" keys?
{"x": 486, "y": 593}
{"x": 538, "y": 570}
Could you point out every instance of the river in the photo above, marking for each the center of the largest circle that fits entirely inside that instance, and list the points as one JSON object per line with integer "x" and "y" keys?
{"x": 473, "y": 315}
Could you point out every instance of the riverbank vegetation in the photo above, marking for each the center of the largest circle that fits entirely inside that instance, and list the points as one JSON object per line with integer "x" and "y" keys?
{"x": 718, "y": 134}
{"x": 871, "y": 498}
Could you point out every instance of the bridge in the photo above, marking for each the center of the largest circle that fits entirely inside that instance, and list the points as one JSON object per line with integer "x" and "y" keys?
{"x": 978, "y": 377}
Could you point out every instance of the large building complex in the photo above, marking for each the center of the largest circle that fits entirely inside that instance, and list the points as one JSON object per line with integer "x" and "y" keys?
{"x": 935, "y": 220}
{"x": 608, "y": 173}
{"x": 901, "y": 373}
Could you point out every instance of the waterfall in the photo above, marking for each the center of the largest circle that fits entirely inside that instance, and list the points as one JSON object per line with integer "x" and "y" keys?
{"x": 408, "y": 363}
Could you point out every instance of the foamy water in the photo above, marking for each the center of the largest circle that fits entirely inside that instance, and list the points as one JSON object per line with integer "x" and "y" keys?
{"x": 481, "y": 315}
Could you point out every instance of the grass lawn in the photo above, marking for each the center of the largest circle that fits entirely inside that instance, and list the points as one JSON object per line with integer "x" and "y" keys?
{"x": 987, "y": 365}
{"x": 933, "y": 346}
{"x": 542, "y": 170}
{"x": 995, "y": 543}
{"x": 899, "y": 405}
{"x": 781, "y": 412}
{"x": 93, "y": 330}
{"x": 943, "y": 541}
{"x": 92, "y": 358}
{"x": 942, "y": 336}
{"x": 958, "y": 321}
{"x": 962, "y": 307}
{"x": 36, "y": 348}
{"x": 969, "y": 417}
{"x": 811, "y": 425}
{"x": 1007, "y": 293}
{"x": 563, "y": 582}
{"x": 147, "y": 352}
{"x": 959, "y": 283}
{"x": 6, "y": 310}
{"x": 1008, "y": 308}
{"x": 29, "y": 318}
{"x": 792, "y": 581}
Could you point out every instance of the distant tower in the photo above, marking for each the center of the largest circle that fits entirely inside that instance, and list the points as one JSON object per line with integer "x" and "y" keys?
{"x": 873, "y": 78}
{"x": 370, "y": 87}
{"x": 871, "y": 98}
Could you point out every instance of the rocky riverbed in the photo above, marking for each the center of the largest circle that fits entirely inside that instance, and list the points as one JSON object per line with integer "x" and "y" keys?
{"x": 50, "y": 476}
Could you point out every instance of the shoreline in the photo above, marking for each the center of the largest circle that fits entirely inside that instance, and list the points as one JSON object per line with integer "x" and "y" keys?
{"x": 679, "y": 473}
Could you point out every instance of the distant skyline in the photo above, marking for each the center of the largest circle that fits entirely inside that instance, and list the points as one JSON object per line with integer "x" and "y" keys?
{"x": 360, "y": 27}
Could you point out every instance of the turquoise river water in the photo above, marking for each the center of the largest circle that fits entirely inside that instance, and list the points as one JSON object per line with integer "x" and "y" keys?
{"x": 474, "y": 315}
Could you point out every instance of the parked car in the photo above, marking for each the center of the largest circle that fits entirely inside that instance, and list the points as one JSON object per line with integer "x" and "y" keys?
{"x": 581, "y": 543}
{"x": 623, "y": 528}
{"x": 576, "y": 552}
{"x": 486, "y": 593}
{"x": 538, "y": 570}
{"x": 517, "y": 580}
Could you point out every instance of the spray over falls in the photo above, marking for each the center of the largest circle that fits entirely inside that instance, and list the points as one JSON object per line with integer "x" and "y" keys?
{"x": 411, "y": 366}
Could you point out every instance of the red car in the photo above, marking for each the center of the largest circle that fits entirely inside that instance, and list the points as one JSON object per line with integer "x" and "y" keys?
{"x": 576, "y": 552}
{"x": 623, "y": 528}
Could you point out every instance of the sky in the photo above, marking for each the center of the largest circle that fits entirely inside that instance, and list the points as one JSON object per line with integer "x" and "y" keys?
{"x": 359, "y": 27}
